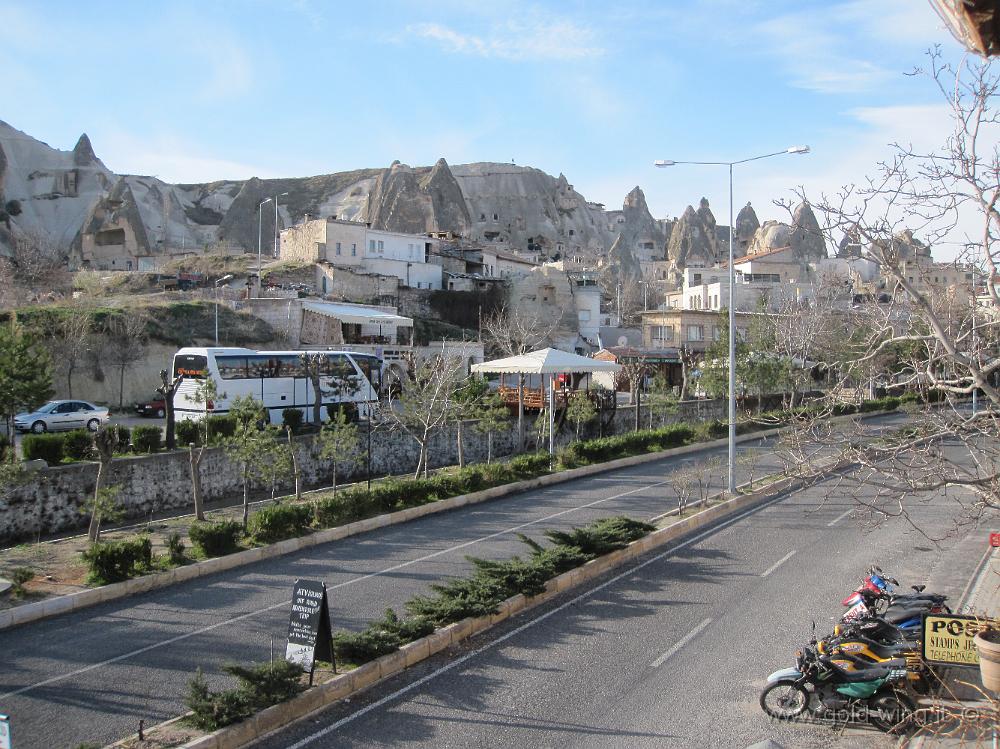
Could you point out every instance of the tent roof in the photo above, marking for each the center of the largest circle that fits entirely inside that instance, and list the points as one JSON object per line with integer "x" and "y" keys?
{"x": 546, "y": 361}
{"x": 356, "y": 313}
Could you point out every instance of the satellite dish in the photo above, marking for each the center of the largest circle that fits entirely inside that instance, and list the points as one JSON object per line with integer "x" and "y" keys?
{"x": 622, "y": 340}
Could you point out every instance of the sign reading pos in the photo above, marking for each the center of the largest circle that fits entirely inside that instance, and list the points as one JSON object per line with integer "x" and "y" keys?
{"x": 5, "y": 742}
{"x": 309, "y": 633}
{"x": 948, "y": 639}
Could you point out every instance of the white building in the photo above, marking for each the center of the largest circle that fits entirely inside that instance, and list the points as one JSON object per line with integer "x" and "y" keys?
{"x": 708, "y": 289}
{"x": 355, "y": 245}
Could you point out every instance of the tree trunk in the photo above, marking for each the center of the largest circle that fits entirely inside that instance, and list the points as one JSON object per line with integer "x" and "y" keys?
{"x": 461, "y": 449}
{"x": 199, "y": 509}
{"x": 489, "y": 447}
{"x": 168, "y": 408}
{"x": 638, "y": 405}
{"x": 317, "y": 399}
{"x": 334, "y": 478}
{"x": 684, "y": 379}
{"x": 121, "y": 386}
{"x": 296, "y": 472}
{"x": 94, "y": 531}
{"x": 246, "y": 501}
{"x": 69, "y": 379}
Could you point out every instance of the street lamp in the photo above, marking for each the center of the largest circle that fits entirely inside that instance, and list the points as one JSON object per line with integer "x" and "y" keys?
{"x": 731, "y": 483}
{"x": 276, "y": 223}
{"x": 227, "y": 277}
{"x": 260, "y": 213}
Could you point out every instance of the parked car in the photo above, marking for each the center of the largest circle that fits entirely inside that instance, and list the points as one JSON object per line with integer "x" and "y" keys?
{"x": 154, "y": 408}
{"x": 57, "y": 416}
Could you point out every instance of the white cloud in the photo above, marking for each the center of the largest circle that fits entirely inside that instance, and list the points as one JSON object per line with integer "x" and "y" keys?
{"x": 534, "y": 38}
{"x": 835, "y": 49}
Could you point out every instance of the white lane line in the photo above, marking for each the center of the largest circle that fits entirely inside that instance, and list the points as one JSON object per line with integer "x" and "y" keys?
{"x": 527, "y": 625}
{"x": 352, "y": 581}
{"x": 680, "y": 643}
{"x": 839, "y": 518}
{"x": 777, "y": 564}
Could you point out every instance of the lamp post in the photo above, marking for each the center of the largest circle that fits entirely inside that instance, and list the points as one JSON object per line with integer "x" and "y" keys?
{"x": 260, "y": 213}
{"x": 227, "y": 277}
{"x": 281, "y": 195}
{"x": 731, "y": 483}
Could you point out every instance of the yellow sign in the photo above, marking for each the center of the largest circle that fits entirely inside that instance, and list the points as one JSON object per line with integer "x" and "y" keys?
{"x": 948, "y": 639}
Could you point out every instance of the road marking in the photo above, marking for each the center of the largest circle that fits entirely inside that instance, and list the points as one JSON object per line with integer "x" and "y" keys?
{"x": 777, "y": 564}
{"x": 344, "y": 584}
{"x": 527, "y": 625}
{"x": 681, "y": 643}
{"x": 839, "y": 518}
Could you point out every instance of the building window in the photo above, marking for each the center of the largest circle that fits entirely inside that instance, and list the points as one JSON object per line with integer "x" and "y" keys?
{"x": 371, "y": 245}
{"x": 695, "y": 333}
{"x": 663, "y": 333}
{"x": 354, "y": 250}
{"x": 696, "y": 278}
{"x": 381, "y": 245}
{"x": 338, "y": 248}
{"x": 715, "y": 304}
{"x": 496, "y": 216}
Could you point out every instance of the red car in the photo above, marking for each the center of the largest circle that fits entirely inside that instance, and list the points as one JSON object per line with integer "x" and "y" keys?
{"x": 154, "y": 408}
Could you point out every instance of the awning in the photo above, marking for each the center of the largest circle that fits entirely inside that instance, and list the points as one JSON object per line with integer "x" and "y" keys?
{"x": 546, "y": 361}
{"x": 356, "y": 313}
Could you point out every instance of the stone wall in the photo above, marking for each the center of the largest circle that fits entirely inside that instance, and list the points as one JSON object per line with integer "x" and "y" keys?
{"x": 52, "y": 500}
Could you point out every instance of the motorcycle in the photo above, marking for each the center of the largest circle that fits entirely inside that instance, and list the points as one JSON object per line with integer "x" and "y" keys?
{"x": 851, "y": 643}
{"x": 823, "y": 684}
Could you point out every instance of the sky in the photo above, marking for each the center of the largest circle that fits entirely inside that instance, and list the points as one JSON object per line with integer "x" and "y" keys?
{"x": 229, "y": 89}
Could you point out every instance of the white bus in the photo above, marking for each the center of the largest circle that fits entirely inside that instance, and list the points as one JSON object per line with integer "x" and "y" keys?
{"x": 275, "y": 378}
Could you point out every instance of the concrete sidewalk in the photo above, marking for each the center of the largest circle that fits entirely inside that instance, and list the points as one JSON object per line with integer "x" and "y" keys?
{"x": 971, "y": 715}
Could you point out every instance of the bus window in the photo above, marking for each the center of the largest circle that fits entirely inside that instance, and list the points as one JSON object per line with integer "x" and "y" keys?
{"x": 232, "y": 367}
{"x": 190, "y": 365}
{"x": 260, "y": 366}
{"x": 336, "y": 365}
{"x": 288, "y": 366}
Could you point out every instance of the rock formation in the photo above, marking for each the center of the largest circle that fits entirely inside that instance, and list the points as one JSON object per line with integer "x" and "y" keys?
{"x": 418, "y": 201}
{"x": 807, "y": 238}
{"x": 746, "y": 226}
{"x": 691, "y": 240}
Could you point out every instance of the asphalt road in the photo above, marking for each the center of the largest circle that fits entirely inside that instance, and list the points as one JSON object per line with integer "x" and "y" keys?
{"x": 91, "y": 676}
{"x": 670, "y": 654}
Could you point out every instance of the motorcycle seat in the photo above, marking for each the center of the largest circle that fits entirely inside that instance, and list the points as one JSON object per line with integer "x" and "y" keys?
{"x": 859, "y": 674}
{"x": 897, "y": 614}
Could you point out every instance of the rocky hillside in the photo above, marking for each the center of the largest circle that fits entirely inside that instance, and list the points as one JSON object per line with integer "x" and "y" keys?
{"x": 74, "y": 199}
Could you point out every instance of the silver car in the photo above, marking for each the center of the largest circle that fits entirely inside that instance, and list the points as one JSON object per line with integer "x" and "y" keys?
{"x": 57, "y": 416}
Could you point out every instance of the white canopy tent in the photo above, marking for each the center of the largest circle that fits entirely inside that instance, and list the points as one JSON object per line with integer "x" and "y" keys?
{"x": 546, "y": 361}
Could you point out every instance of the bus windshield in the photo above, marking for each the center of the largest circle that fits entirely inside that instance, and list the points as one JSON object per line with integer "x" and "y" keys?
{"x": 190, "y": 365}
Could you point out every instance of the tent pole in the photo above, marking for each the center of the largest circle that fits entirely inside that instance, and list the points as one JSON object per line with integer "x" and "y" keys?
{"x": 552, "y": 415}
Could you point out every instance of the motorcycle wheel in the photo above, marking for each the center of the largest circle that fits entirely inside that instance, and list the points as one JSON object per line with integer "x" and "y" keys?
{"x": 784, "y": 700}
{"x": 891, "y": 712}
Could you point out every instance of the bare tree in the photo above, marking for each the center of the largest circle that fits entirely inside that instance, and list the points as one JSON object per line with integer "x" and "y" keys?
{"x": 38, "y": 263}
{"x": 105, "y": 445}
{"x": 924, "y": 336}
{"x": 70, "y": 340}
{"x": 126, "y": 343}
{"x": 426, "y": 402}
{"x": 634, "y": 371}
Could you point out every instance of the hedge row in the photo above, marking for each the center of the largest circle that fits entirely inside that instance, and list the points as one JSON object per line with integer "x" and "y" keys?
{"x": 479, "y": 594}
{"x": 78, "y": 444}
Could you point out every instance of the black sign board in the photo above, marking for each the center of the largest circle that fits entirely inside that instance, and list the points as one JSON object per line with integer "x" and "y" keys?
{"x": 309, "y": 632}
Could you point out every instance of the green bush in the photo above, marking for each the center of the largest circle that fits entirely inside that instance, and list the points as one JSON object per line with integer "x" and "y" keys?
{"x": 78, "y": 444}
{"x": 187, "y": 432}
{"x": 292, "y": 417}
{"x": 260, "y": 686}
{"x": 530, "y": 465}
{"x": 19, "y": 577}
{"x": 345, "y": 507}
{"x": 4, "y": 446}
{"x": 220, "y": 427}
{"x": 175, "y": 549}
{"x": 215, "y": 539}
{"x": 114, "y": 561}
{"x": 602, "y": 537}
{"x": 147, "y": 439}
{"x": 47, "y": 447}
{"x": 279, "y": 521}
{"x": 379, "y": 638}
{"x": 634, "y": 443}
{"x": 124, "y": 436}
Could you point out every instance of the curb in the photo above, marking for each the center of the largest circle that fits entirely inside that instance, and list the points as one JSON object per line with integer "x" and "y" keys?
{"x": 345, "y": 685}
{"x": 58, "y": 605}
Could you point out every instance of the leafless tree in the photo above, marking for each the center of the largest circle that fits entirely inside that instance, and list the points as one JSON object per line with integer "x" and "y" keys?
{"x": 425, "y": 404}
{"x": 126, "y": 338}
{"x": 70, "y": 340}
{"x": 634, "y": 371}
{"x": 922, "y": 335}
{"x": 38, "y": 263}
